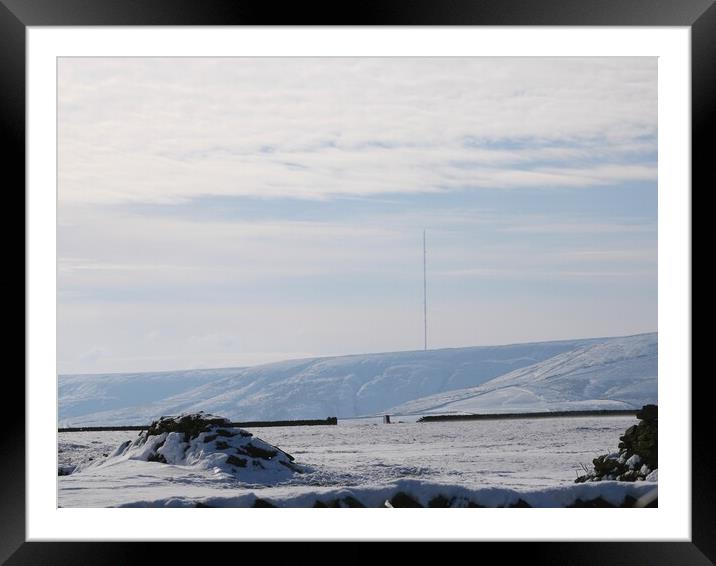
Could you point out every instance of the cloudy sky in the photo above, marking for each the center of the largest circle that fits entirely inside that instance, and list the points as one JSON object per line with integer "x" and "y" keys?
{"x": 234, "y": 211}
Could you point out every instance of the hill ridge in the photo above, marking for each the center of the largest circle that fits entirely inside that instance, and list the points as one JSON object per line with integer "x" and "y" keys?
{"x": 343, "y": 386}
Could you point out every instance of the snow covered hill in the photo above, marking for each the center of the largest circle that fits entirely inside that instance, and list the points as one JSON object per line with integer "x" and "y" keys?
{"x": 349, "y": 386}
{"x": 619, "y": 373}
{"x": 311, "y": 388}
{"x": 83, "y": 394}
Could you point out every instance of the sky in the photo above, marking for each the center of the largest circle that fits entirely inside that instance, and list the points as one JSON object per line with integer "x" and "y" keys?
{"x": 219, "y": 212}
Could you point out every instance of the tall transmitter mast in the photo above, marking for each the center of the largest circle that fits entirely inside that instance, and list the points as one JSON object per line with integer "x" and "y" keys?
{"x": 425, "y": 296}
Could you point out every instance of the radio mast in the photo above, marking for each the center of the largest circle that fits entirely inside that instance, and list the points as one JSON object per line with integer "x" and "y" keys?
{"x": 425, "y": 297}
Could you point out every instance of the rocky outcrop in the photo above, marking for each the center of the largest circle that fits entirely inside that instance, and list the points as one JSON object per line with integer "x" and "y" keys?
{"x": 206, "y": 441}
{"x": 637, "y": 458}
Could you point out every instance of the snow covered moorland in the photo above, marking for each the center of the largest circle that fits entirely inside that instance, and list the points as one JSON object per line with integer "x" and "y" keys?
{"x": 601, "y": 373}
{"x": 618, "y": 373}
{"x": 200, "y": 460}
{"x": 359, "y": 462}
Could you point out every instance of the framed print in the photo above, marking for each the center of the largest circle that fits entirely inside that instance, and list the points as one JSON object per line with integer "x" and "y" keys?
{"x": 441, "y": 257}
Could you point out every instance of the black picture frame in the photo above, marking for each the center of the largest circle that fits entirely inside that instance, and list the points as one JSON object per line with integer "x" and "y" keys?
{"x": 699, "y": 15}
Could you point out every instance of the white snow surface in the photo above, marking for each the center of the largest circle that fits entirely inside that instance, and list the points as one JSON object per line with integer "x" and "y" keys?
{"x": 493, "y": 463}
{"x": 618, "y": 373}
{"x": 563, "y": 375}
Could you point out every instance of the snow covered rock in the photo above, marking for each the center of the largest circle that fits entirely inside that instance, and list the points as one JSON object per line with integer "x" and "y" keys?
{"x": 633, "y": 461}
{"x": 65, "y": 470}
{"x": 208, "y": 442}
{"x": 641, "y": 439}
{"x": 638, "y": 452}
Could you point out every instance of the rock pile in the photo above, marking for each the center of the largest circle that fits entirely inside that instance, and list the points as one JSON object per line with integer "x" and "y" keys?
{"x": 209, "y": 442}
{"x": 637, "y": 458}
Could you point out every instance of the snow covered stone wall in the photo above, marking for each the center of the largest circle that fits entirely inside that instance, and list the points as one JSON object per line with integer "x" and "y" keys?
{"x": 415, "y": 493}
{"x": 638, "y": 455}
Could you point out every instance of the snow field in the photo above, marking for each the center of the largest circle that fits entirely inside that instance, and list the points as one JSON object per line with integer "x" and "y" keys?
{"x": 497, "y": 462}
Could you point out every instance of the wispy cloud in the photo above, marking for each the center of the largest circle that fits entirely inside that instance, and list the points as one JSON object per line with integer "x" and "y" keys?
{"x": 320, "y": 128}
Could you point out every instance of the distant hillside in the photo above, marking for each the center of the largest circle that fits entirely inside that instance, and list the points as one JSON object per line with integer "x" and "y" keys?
{"x": 619, "y": 373}
{"x": 89, "y": 393}
{"x": 342, "y": 386}
{"x": 349, "y": 386}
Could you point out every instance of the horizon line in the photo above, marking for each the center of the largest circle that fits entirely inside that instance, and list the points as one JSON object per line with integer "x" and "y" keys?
{"x": 332, "y": 356}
